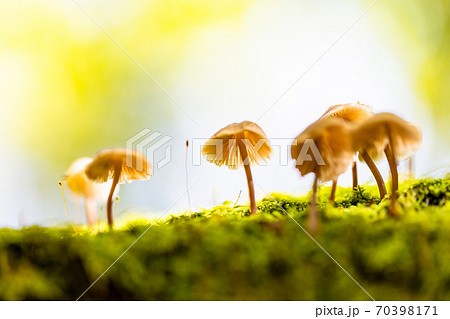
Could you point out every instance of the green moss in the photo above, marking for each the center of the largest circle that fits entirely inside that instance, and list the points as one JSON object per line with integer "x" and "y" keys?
{"x": 225, "y": 254}
{"x": 429, "y": 191}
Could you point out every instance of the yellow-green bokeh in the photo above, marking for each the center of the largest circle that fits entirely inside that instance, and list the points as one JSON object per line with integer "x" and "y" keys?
{"x": 81, "y": 92}
{"x": 420, "y": 32}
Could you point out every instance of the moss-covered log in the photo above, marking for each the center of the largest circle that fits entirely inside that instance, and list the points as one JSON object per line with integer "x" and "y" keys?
{"x": 225, "y": 254}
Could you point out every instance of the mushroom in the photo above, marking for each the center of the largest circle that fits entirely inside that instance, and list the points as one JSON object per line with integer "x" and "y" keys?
{"x": 239, "y": 144}
{"x": 81, "y": 186}
{"x": 329, "y": 140}
{"x": 389, "y": 135}
{"x": 120, "y": 165}
{"x": 351, "y": 113}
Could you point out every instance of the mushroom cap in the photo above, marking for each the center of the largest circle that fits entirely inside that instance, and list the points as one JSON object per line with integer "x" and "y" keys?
{"x": 77, "y": 180}
{"x": 331, "y": 136}
{"x": 106, "y": 162}
{"x": 373, "y": 136}
{"x": 352, "y": 112}
{"x": 80, "y": 185}
{"x": 222, "y": 147}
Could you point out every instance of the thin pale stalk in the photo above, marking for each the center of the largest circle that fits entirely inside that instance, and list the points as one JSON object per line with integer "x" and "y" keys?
{"x": 77, "y": 206}
{"x": 235, "y": 203}
{"x": 99, "y": 219}
{"x": 187, "y": 176}
{"x": 67, "y": 210}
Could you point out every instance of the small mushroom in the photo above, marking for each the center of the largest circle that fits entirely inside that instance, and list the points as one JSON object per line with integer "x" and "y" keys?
{"x": 351, "y": 113}
{"x": 386, "y": 134}
{"x": 239, "y": 144}
{"x": 81, "y": 186}
{"x": 330, "y": 143}
{"x": 120, "y": 165}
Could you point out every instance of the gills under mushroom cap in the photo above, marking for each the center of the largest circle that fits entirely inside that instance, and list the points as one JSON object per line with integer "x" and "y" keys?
{"x": 373, "y": 135}
{"x": 106, "y": 162}
{"x": 330, "y": 137}
{"x": 222, "y": 148}
{"x": 353, "y": 113}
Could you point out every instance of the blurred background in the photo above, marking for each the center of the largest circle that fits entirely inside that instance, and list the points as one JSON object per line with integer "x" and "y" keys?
{"x": 68, "y": 90}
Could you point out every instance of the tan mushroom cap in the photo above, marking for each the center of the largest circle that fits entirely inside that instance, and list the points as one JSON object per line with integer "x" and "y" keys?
{"x": 105, "y": 163}
{"x": 331, "y": 136}
{"x": 373, "y": 136}
{"x": 222, "y": 147}
{"x": 76, "y": 178}
{"x": 352, "y": 112}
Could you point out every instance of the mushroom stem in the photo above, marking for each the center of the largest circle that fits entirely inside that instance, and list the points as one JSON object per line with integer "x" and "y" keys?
{"x": 375, "y": 172}
{"x": 248, "y": 174}
{"x": 411, "y": 166}
{"x": 333, "y": 191}
{"x": 355, "y": 176}
{"x": 394, "y": 174}
{"x": 109, "y": 215}
{"x": 90, "y": 206}
{"x": 115, "y": 207}
{"x": 313, "y": 213}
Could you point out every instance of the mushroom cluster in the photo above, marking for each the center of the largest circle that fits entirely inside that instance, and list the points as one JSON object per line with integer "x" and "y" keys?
{"x": 332, "y": 149}
{"x": 353, "y": 114}
{"x": 85, "y": 189}
{"x": 326, "y": 148}
{"x": 342, "y": 132}
{"x": 386, "y": 135}
{"x": 120, "y": 165}
{"x": 90, "y": 177}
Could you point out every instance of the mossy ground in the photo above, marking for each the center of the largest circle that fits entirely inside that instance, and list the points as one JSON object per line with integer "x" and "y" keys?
{"x": 225, "y": 254}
